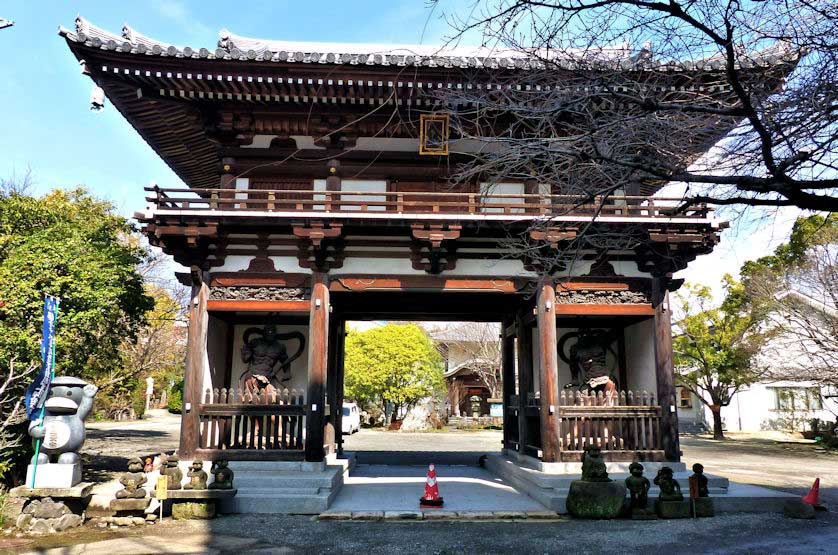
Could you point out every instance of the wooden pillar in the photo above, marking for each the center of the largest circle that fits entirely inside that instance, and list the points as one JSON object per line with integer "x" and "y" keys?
{"x": 318, "y": 344}
{"x": 524, "y": 380}
{"x": 548, "y": 357}
{"x": 196, "y": 359}
{"x": 665, "y": 375}
{"x": 507, "y": 362}
{"x": 340, "y": 351}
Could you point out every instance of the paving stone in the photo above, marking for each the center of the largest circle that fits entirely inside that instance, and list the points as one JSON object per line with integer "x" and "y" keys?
{"x": 336, "y": 515}
{"x": 440, "y": 515}
{"x": 542, "y": 515}
{"x": 511, "y": 515}
{"x": 403, "y": 515}
{"x": 476, "y": 515}
{"x": 367, "y": 515}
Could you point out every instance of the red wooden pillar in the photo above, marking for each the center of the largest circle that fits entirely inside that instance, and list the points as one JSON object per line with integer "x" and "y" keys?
{"x": 318, "y": 345}
{"x": 548, "y": 357}
{"x": 665, "y": 374}
{"x": 196, "y": 357}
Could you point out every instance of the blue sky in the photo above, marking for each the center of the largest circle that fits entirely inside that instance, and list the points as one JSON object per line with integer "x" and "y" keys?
{"x": 48, "y": 127}
{"x": 47, "y": 124}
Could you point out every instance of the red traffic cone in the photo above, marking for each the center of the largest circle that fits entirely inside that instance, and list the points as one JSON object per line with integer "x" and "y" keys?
{"x": 431, "y": 497}
{"x": 813, "y": 498}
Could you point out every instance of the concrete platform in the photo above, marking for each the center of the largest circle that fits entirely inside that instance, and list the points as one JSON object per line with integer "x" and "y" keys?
{"x": 390, "y": 489}
{"x": 551, "y": 489}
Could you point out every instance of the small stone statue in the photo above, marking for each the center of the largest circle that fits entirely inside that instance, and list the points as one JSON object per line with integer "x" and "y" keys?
{"x": 223, "y": 475}
{"x": 670, "y": 489}
{"x": 132, "y": 481}
{"x": 197, "y": 476}
{"x": 149, "y": 466}
{"x": 172, "y": 472}
{"x": 700, "y": 480}
{"x": 593, "y": 465}
{"x": 638, "y": 487}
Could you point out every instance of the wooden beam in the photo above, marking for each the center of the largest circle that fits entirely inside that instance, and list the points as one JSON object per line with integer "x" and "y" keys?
{"x": 196, "y": 360}
{"x": 318, "y": 344}
{"x": 665, "y": 374}
{"x": 259, "y": 306}
{"x": 605, "y": 309}
{"x": 549, "y": 372}
{"x": 435, "y": 283}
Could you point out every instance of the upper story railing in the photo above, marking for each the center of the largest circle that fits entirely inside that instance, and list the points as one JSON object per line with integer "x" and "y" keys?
{"x": 455, "y": 204}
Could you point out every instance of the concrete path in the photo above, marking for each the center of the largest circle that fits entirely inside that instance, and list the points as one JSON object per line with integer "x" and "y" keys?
{"x": 398, "y": 488}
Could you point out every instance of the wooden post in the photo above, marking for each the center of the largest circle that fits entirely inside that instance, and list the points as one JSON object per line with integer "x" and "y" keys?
{"x": 524, "y": 380}
{"x": 508, "y": 377}
{"x": 549, "y": 372}
{"x": 318, "y": 344}
{"x": 665, "y": 374}
{"x": 196, "y": 358}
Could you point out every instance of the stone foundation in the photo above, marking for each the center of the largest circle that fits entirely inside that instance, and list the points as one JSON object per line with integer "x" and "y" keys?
{"x": 45, "y": 516}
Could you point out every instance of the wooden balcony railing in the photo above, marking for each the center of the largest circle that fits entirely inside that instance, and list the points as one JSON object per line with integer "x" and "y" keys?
{"x": 243, "y": 425}
{"x": 419, "y": 203}
{"x": 625, "y": 425}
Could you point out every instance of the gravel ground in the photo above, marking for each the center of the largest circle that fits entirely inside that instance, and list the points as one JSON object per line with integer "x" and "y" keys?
{"x": 750, "y": 533}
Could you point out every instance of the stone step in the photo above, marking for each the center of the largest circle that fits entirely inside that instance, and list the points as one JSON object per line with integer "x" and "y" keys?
{"x": 279, "y": 491}
{"x": 271, "y": 480}
{"x": 276, "y": 466}
{"x": 278, "y": 504}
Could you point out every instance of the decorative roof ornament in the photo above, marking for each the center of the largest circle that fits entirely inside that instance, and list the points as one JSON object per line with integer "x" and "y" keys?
{"x": 97, "y": 99}
{"x": 6, "y": 23}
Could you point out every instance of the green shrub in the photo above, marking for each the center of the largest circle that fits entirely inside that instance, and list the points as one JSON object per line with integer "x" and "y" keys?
{"x": 175, "y": 403}
{"x": 138, "y": 401}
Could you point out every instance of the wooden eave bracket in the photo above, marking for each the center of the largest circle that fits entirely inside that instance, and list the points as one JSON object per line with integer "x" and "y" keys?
{"x": 553, "y": 235}
{"x": 316, "y": 232}
{"x": 435, "y": 234}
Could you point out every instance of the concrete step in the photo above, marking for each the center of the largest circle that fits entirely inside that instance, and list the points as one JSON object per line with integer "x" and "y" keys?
{"x": 278, "y": 504}
{"x": 277, "y": 466}
{"x": 271, "y": 480}
{"x": 278, "y": 491}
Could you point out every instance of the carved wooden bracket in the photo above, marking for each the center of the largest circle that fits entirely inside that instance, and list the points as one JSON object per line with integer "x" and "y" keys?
{"x": 321, "y": 246}
{"x": 191, "y": 232}
{"x": 436, "y": 233}
{"x": 553, "y": 235}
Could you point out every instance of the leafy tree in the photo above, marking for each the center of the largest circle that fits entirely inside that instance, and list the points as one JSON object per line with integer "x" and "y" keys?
{"x": 796, "y": 291}
{"x": 715, "y": 348}
{"x": 71, "y": 245}
{"x": 395, "y": 365}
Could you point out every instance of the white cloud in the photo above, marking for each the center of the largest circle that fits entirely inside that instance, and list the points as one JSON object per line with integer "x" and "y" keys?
{"x": 178, "y": 13}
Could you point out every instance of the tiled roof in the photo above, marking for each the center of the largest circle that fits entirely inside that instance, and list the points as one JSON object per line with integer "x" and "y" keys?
{"x": 235, "y": 47}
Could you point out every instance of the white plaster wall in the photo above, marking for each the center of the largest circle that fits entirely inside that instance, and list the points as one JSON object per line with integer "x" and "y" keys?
{"x": 754, "y": 409}
{"x": 299, "y": 368}
{"x": 640, "y": 357}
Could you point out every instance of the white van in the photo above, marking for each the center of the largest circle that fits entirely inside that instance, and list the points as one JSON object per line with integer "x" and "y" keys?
{"x": 351, "y": 421}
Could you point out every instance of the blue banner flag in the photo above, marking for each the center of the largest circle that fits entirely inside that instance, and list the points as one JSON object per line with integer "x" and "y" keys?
{"x": 36, "y": 394}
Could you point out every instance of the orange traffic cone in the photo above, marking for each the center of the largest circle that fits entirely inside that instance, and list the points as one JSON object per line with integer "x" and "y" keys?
{"x": 431, "y": 497}
{"x": 813, "y": 498}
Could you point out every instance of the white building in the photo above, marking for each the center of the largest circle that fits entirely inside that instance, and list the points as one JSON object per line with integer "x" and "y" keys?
{"x": 786, "y": 400}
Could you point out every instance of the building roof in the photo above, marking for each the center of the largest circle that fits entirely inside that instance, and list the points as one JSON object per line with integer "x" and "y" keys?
{"x": 236, "y": 47}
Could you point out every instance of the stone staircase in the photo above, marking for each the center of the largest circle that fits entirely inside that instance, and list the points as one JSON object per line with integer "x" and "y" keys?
{"x": 285, "y": 487}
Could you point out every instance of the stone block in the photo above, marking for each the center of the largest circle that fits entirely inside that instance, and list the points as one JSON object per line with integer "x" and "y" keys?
{"x": 403, "y": 515}
{"x": 595, "y": 499}
{"x": 672, "y": 509}
{"x": 702, "y": 507}
{"x": 79, "y": 491}
{"x": 367, "y": 515}
{"x": 54, "y": 475}
{"x": 24, "y": 520}
{"x": 68, "y": 521}
{"x": 335, "y": 515}
{"x": 542, "y": 515}
{"x": 46, "y": 508}
{"x": 125, "y": 505}
{"x": 476, "y": 515}
{"x": 439, "y": 515}
{"x": 510, "y": 515}
{"x": 188, "y": 510}
{"x": 796, "y": 508}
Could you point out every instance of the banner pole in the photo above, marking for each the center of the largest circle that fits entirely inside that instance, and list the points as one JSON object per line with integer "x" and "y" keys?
{"x": 43, "y": 408}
